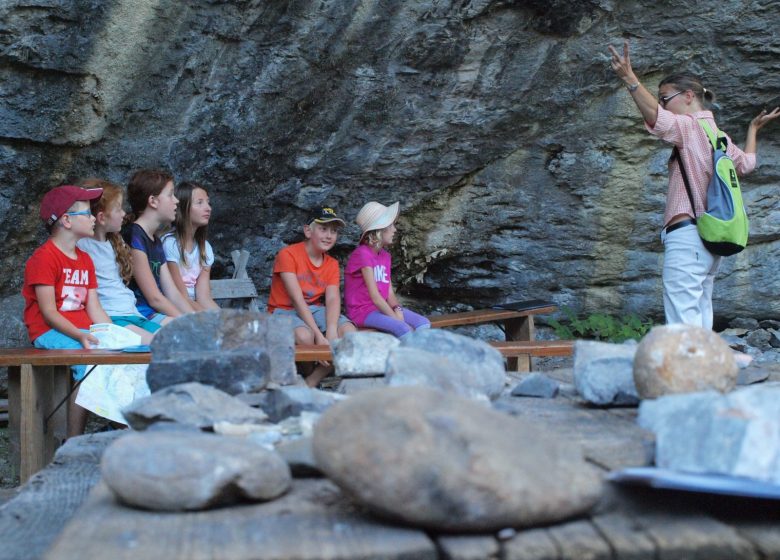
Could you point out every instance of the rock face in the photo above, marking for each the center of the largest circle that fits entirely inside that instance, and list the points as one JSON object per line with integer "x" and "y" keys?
{"x": 174, "y": 471}
{"x": 604, "y": 373}
{"x": 493, "y": 122}
{"x": 439, "y": 461}
{"x": 736, "y": 434}
{"x": 683, "y": 359}
{"x": 235, "y": 351}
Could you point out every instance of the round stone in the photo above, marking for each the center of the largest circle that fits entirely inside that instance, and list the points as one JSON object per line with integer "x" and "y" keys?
{"x": 175, "y": 471}
{"x": 683, "y": 359}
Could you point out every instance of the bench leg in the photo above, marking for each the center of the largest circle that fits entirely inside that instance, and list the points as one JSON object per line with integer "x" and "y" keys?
{"x": 14, "y": 416}
{"x": 41, "y": 389}
{"x": 521, "y": 328}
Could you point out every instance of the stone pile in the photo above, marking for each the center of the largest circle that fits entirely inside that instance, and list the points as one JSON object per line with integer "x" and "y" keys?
{"x": 670, "y": 359}
{"x": 759, "y": 339}
{"x": 431, "y": 452}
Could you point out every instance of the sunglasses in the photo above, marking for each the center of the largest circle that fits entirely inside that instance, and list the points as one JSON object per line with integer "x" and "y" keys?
{"x": 81, "y": 213}
{"x": 663, "y": 100}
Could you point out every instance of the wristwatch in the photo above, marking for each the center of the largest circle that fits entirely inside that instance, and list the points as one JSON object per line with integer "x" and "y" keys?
{"x": 633, "y": 87}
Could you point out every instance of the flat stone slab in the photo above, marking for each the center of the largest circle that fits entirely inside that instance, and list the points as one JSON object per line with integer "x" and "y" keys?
{"x": 609, "y": 438}
{"x": 312, "y": 522}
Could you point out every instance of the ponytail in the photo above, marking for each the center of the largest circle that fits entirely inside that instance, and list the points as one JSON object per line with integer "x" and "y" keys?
{"x": 685, "y": 82}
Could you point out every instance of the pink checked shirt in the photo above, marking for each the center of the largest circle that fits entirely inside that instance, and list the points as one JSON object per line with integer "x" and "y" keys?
{"x": 685, "y": 132}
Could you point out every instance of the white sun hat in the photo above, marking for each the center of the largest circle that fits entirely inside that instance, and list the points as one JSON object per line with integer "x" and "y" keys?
{"x": 374, "y": 215}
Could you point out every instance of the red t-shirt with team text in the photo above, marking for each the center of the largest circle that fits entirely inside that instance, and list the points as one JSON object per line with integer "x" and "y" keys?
{"x": 72, "y": 279}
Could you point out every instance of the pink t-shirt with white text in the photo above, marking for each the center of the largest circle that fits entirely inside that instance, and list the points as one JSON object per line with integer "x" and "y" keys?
{"x": 356, "y": 296}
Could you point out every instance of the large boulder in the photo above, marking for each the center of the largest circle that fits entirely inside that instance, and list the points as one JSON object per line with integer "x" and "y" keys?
{"x": 235, "y": 351}
{"x": 683, "y": 359}
{"x": 439, "y": 461}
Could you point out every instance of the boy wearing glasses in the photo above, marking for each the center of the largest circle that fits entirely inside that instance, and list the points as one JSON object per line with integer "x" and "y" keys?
{"x": 60, "y": 289}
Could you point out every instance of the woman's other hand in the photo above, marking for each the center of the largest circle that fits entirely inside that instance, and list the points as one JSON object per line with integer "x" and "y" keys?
{"x": 763, "y": 118}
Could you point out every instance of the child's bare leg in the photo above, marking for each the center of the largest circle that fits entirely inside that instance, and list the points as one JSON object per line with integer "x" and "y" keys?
{"x": 146, "y": 336}
{"x": 77, "y": 417}
{"x": 344, "y": 328}
{"x": 319, "y": 373}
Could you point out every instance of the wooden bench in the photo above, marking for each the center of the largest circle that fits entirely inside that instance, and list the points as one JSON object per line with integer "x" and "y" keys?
{"x": 518, "y": 326}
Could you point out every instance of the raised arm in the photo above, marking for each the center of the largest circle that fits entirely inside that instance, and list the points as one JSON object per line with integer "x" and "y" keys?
{"x": 755, "y": 125}
{"x": 645, "y": 101}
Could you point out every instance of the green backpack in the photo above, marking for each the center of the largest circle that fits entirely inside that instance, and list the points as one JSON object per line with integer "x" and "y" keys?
{"x": 724, "y": 226}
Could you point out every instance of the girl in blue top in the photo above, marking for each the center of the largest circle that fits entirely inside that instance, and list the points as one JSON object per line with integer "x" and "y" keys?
{"x": 153, "y": 205}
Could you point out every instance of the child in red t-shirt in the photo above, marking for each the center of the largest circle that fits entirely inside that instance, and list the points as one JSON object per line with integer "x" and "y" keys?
{"x": 60, "y": 289}
{"x": 305, "y": 286}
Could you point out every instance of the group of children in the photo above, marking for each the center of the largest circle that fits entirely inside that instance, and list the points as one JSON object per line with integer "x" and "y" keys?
{"x": 139, "y": 271}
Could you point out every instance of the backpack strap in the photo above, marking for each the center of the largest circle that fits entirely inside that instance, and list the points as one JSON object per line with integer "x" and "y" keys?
{"x": 718, "y": 140}
{"x": 676, "y": 156}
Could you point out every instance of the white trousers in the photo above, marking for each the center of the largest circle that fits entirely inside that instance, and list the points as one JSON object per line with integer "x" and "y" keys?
{"x": 689, "y": 277}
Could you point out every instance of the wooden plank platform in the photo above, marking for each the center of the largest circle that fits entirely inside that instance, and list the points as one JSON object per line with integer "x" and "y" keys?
{"x": 316, "y": 521}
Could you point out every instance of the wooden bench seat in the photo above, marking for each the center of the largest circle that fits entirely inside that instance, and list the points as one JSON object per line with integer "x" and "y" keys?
{"x": 482, "y": 316}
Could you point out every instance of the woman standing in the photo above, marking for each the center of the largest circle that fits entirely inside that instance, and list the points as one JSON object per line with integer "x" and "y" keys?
{"x": 689, "y": 268}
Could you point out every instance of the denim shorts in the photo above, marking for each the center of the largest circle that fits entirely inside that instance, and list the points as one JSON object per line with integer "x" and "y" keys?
{"x": 55, "y": 340}
{"x": 317, "y": 311}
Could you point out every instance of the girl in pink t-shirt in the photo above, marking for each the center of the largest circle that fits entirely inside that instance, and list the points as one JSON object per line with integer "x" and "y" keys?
{"x": 368, "y": 292}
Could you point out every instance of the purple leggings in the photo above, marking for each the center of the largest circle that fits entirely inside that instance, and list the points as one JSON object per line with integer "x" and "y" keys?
{"x": 381, "y": 322}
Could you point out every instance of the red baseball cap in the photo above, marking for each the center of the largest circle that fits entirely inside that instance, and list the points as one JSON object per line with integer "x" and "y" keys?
{"x": 57, "y": 201}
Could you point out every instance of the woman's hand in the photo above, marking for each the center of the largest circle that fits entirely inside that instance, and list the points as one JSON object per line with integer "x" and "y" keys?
{"x": 763, "y": 118}
{"x": 622, "y": 64}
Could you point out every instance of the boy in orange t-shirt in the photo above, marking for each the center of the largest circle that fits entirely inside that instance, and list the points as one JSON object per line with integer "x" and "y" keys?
{"x": 304, "y": 275}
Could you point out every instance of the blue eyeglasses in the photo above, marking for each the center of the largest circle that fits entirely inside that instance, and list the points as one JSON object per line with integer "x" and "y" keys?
{"x": 81, "y": 213}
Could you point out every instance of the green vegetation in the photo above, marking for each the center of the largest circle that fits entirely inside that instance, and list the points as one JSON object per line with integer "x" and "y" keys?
{"x": 599, "y": 326}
